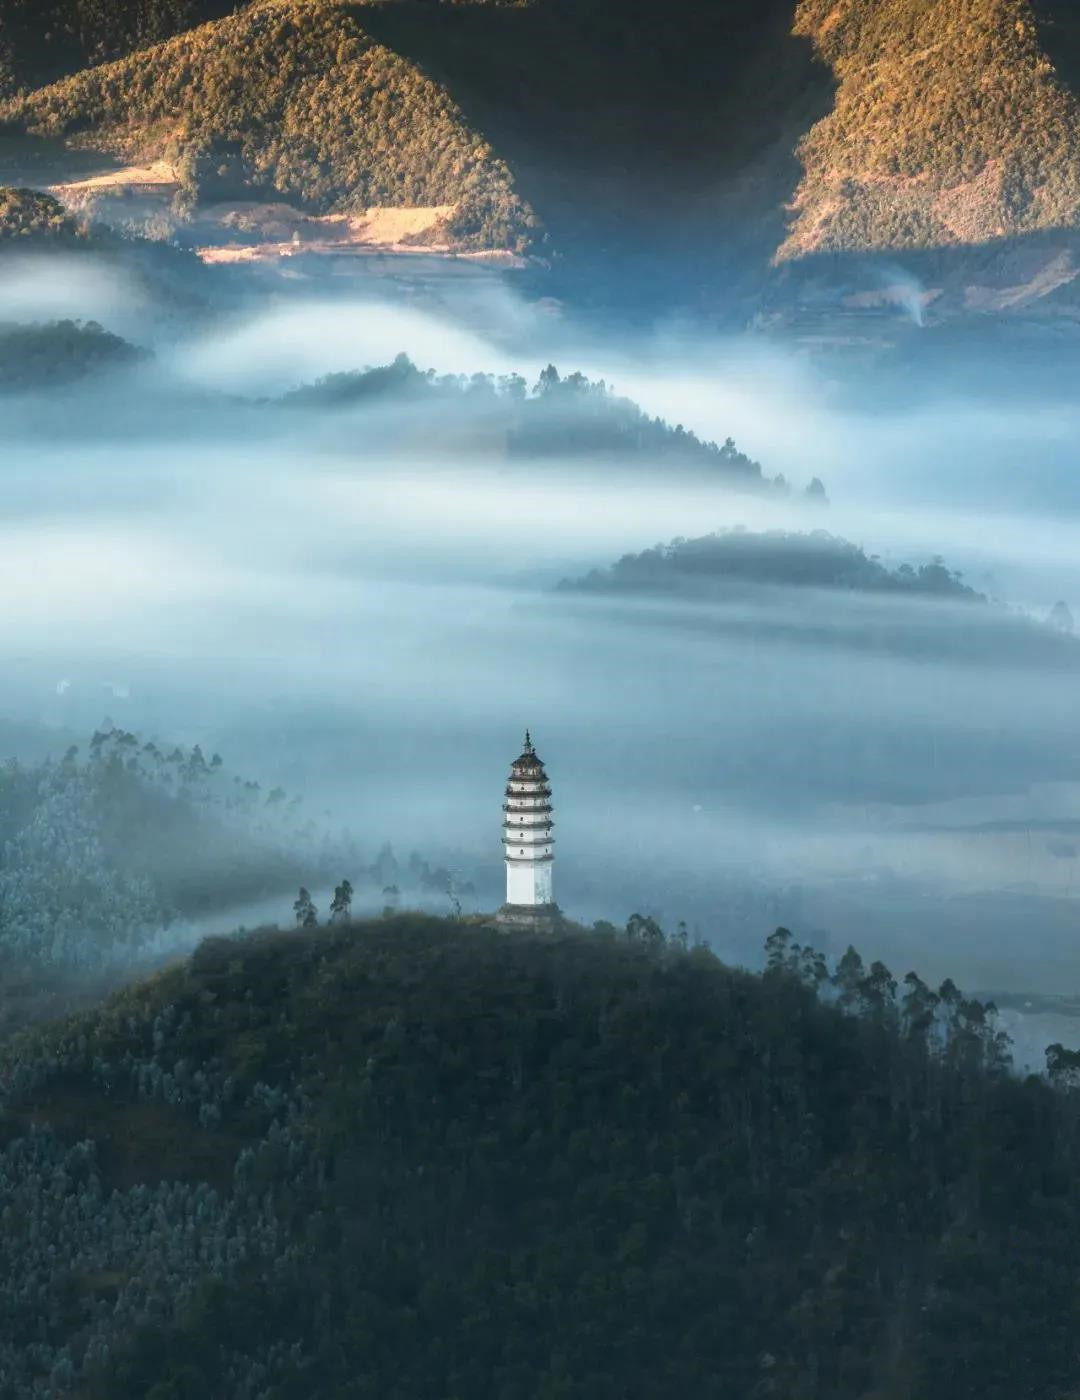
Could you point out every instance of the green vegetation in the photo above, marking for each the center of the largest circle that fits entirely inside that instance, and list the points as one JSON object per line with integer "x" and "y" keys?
{"x": 950, "y": 125}
{"x": 948, "y": 122}
{"x": 567, "y": 417}
{"x": 296, "y": 98}
{"x": 417, "y": 1158}
{"x": 734, "y": 557}
{"x": 60, "y": 352}
{"x": 99, "y": 855}
{"x": 31, "y": 217}
{"x": 771, "y": 588}
{"x": 41, "y": 40}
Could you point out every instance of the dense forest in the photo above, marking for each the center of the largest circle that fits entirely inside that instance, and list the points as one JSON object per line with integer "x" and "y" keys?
{"x": 950, "y": 125}
{"x": 880, "y": 124}
{"x": 297, "y": 99}
{"x": 814, "y": 560}
{"x": 32, "y": 218}
{"x": 102, "y": 852}
{"x": 569, "y": 417}
{"x": 41, "y": 40}
{"x": 816, "y": 589}
{"x": 413, "y": 1157}
{"x": 58, "y": 353}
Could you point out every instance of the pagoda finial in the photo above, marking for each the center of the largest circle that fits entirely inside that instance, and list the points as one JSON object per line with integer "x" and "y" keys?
{"x": 528, "y": 742}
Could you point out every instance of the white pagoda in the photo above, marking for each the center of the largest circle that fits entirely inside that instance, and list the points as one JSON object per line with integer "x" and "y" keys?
{"x": 528, "y": 842}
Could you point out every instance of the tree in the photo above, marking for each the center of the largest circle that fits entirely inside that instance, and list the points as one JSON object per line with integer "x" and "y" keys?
{"x": 917, "y": 1007}
{"x": 1061, "y": 619}
{"x": 548, "y": 382}
{"x": 815, "y": 493}
{"x": 780, "y": 951}
{"x": 306, "y": 914}
{"x": 812, "y": 968}
{"x": 1063, "y": 1067}
{"x": 341, "y": 904}
{"x": 879, "y": 990}
{"x": 640, "y": 928}
{"x": 848, "y": 979}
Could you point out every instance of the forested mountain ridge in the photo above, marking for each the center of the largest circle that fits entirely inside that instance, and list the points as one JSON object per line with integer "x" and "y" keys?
{"x": 559, "y": 418}
{"x": 882, "y": 124}
{"x": 297, "y": 99}
{"x": 777, "y": 584}
{"x": 813, "y": 560}
{"x": 421, "y": 1157}
{"x": 41, "y": 40}
{"x": 950, "y": 125}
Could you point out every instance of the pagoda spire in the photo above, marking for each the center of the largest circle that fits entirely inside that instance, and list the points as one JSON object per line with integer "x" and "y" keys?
{"x": 529, "y": 743}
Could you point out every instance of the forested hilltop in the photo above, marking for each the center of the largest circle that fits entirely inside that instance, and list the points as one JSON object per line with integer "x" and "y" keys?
{"x": 951, "y": 124}
{"x": 817, "y": 588}
{"x": 415, "y": 1157}
{"x": 102, "y": 851}
{"x": 729, "y": 135}
{"x": 567, "y": 418}
{"x": 296, "y": 99}
{"x": 43, "y": 39}
{"x": 813, "y": 560}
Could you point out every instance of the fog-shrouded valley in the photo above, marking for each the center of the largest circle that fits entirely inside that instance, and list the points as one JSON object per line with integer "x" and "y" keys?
{"x": 381, "y": 383}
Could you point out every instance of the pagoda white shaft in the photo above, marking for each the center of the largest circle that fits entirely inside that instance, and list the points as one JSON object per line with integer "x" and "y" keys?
{"x": 527, "y": 837}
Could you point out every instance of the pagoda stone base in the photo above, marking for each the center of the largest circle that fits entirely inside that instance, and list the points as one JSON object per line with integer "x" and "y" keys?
{"x": 537, "y": 918}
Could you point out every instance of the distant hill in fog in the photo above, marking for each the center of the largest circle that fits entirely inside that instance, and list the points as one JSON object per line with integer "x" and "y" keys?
{"x": 59, "y": 353}
{"x": 646, "y": 155}
{"x": 815, "y": 589}
{"x": 569, "y": 418}
{"x": 421, "y": 1158}
{"x": 814, "y": 560}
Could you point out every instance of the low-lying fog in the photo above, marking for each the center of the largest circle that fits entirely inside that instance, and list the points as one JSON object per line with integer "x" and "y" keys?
{"x": 361, "y": 608}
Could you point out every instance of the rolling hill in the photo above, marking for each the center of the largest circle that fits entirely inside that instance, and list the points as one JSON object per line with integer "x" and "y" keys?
{"x": 694, "y": 154}
{"x": 419, "y": 1158}
{"x": 41, "y": 40}
{"x": 295, "y": 100}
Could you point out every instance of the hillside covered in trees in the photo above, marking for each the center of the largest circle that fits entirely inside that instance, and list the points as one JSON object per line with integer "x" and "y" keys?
{"x": 31, "y": 219}
{"x": 951, "y": 125}
{"x": 730, "y": 558}
{"x": 102, "y": 851}
{"x": 297, "y": 99}
{"x": 728, "y": 135}
{"x": 58, "y": 353}
{"x": 413, "y": 1158}
{"x": 567, "y": 417}
{"x": 817, "y": 589}
{"x": 43, "y": 39}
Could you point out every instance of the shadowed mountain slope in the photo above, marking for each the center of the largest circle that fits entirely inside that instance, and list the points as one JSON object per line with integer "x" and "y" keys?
{"x": 41, "y": 40}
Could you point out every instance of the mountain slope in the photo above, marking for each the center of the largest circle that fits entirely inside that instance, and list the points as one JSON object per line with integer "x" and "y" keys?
{"x": 677, "y": 160}
{"x": 40, "y": 40}
{"x": 416, "y": 1158}
{"x": 294, "y": 98}
{"x": 34, "y": 219}
{"x": 950, "y": 126}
